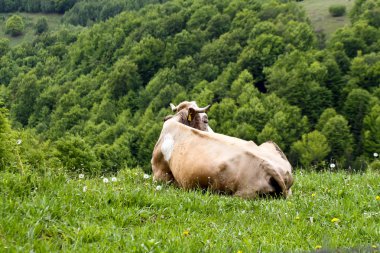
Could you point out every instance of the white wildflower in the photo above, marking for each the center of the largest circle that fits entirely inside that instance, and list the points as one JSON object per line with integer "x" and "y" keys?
{"x": 114, "y": 179}
{"x": 332, "y": 165}
{"x": 84, "y": 188}
{"x": 375, "y": 155}
{"x": 146, "y": 176}
{"x": 158, "y": 188}
{"x": 105, "y": 180}
{"x": 81, "y": 176}
{"x": 19, "y": 141}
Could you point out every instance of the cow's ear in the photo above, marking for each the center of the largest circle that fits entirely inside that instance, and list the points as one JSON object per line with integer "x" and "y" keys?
{"x": 191, "y": 114}
{"x": 168, "y": 117}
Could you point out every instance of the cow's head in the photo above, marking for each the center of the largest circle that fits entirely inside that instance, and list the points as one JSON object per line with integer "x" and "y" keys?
{"x": 190, "y": 114}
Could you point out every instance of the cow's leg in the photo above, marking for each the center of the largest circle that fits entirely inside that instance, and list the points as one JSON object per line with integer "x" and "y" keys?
{"x": 245, "y": 194}
{"x": 162, "y": 175}
{"x": 160, "y": 167}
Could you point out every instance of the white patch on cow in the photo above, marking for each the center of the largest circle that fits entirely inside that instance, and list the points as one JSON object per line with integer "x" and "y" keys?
{"x": 167, "y": 146}
{"x": 209, "y": 129}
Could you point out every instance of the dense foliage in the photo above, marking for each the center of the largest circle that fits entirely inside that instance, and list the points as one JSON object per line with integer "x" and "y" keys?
{"x": 42, "y": 26}
{"x": 95, "y": 100}
{"x": 47, "y": 6}
{"x": 87, "y": 12}
{"x": 14, "y": 25}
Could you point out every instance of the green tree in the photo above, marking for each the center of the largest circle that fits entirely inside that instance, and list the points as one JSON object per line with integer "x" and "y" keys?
{"x": 147, "y": 55}
{"x": 200, "y": 18}
{"x": 284, "y": 127}
{"x": 300, "y": 35}
{"x": 41, "y": 26}
{"x": 237, "y": 87}
{"x": 76, "y": 155}
{"x": 4, "y": 46}
{"x": 325, "y": 116}
{"x": 223, "y": 113}
{"x": 219, "y": 24}
{"x": 365, "y": 71}
{"x": 358, "y": 39}
{"x": 355, "y": 108}
{"x": 14, "y": 26}
{"x": 246, "y": 20}
{"x": 261, "y": 52}
{"x": 368, "y": 10}
{"x": 371, "y": 130}
{"x": 123, "y": 78}
{"x": 312, "y": 149}
{"x": 339, "y": 138}
{"x": 300, "y": 78}
{"x": 24, "y": 92}
{"x": 112, "y": 8}
{"x": 221, "y": 51}
{"x": 7, "y": 140}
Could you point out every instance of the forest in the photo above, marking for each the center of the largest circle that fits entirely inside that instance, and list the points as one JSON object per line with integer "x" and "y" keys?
{"x": 93, "y": 100}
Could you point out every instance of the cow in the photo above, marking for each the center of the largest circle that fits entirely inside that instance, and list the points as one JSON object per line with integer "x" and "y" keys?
{"x": 191, "y": 155}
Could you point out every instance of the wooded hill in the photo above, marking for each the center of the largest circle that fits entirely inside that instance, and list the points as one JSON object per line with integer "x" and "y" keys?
{"x": 95, "y": 100}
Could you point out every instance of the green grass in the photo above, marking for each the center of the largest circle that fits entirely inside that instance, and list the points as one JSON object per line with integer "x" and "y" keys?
{"x": 318, "y": 12}
{"x": 30, "y": 19}
{"x": 52, "y": 212}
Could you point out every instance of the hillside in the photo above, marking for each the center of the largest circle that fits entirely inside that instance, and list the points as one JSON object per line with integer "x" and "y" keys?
{"x": 318, "y": 12}
{"x": 94, "y": 100}
{"x": 81, "y": 110}
{"x": 30, "y": 20}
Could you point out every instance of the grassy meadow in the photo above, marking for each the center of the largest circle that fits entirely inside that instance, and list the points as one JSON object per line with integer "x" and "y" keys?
{"x": 30, "y": 20}
{"x": 318, "y": 13}
{"x": 55, "y": 211}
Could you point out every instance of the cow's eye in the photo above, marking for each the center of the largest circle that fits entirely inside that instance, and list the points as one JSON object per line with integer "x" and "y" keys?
{"x": 205, "y": 120}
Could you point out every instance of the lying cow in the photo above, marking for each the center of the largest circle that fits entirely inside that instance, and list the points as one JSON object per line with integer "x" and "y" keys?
{"x": 190, "y": 155}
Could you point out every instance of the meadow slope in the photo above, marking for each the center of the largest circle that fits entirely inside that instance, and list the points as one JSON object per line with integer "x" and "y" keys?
{"x": 318, "y": 13}
{"x": 61, "y": 212}
{"x": 30, "y": 21}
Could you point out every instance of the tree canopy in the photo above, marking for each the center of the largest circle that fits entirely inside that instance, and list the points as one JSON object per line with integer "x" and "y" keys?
{"x": 96, "y": 98}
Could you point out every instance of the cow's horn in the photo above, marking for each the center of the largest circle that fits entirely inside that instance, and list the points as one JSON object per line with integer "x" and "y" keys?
{"x": 204, "y": 109}
{"x": 174, "y": 108}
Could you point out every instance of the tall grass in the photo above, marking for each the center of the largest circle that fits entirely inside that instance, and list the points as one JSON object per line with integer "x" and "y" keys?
{"x": 56, "y": 211}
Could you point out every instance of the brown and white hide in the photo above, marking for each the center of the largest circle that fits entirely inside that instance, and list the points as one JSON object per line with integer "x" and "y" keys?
{"x": 193, "y": 158}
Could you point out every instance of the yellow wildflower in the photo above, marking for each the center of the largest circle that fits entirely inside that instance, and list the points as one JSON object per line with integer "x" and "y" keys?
{"x": 377, "y": 197}
{"x": 318, "y": 247}
{"x": 186, "y": 233}
{"x": 313, "y": 194}
{"x": 239, "y": 251}
{"x": 335, "y": 220}
{"x": 297, "y": 217}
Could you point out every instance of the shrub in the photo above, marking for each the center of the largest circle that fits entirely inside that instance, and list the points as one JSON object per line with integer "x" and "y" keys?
{"x": 375, "y": 165}
{"x": 76, "y": 155}
{"x": 7, "y": 140}
{"x": 4, "y": 46}
{"x": 337, "y": 10}
{"x": 14, "y": 25}
{"x": 41, "y": 26}
{"x": 312, "y": 149}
